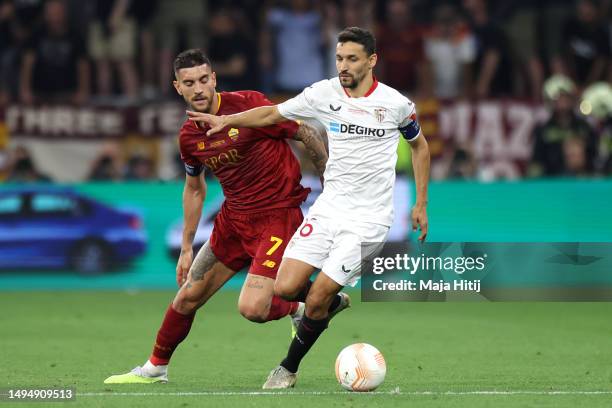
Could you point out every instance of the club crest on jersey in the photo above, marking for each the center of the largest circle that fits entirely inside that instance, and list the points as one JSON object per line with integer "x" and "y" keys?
{"x": 233, "y": 134}
{"x": 380, "y": 114}
{"x": 201, "y": 145}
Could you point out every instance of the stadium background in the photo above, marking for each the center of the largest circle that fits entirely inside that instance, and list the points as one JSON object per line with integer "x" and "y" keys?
{"x": 86, "y": 102}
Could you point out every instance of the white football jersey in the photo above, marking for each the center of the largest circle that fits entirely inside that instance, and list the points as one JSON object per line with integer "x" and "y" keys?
{"x": 363, "y": 135}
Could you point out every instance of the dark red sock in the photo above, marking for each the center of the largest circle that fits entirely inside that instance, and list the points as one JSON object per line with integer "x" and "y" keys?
{"x": 280, "y": 308}
{"x": 173, "y": 330}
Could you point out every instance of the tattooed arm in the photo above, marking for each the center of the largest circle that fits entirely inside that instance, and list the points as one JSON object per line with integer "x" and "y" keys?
{"x": 194, "y": 193}
{"x": 314, "y": 141}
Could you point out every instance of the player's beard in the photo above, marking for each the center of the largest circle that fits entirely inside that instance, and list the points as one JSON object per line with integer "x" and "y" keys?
{"x": 350, "y": 82}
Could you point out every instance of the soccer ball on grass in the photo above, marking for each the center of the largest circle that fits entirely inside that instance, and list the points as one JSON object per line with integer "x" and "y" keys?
{"x": 360, "y": 367}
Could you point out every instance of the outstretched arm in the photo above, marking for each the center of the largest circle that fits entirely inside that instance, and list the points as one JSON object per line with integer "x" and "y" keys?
{"x": 314, "y": 142}
{"x": 253, "y": 118}
{"x": 194, "y": 193}
{"x": 420, "y": 164}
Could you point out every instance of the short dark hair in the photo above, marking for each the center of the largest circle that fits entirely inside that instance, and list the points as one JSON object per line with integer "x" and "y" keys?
{"x": 360, "y": 36}
{"x": 190, "y": 58}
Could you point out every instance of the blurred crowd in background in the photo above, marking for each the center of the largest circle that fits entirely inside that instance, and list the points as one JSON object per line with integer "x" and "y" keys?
{"x": 119, "y": 52}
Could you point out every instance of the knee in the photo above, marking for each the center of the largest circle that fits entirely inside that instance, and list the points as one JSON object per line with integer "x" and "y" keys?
{"x": 253, "y": 312}
{"x": 186, "y": 303}
{"x": 286, "y": 290}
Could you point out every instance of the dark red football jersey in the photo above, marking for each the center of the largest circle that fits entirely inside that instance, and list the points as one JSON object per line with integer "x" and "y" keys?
{"x": 256, "y": 167}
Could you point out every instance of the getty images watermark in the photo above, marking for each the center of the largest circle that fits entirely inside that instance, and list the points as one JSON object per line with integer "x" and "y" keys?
{"x": 448, "y": 271}
{"x": 413, "y": 265}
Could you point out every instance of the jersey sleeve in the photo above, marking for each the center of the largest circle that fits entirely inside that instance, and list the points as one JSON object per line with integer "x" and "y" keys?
{"x": 409, "y": 125}
{"x": 193, "y": 167}
{"x": 282, "y": 130}
{"x": 304, "y": 105}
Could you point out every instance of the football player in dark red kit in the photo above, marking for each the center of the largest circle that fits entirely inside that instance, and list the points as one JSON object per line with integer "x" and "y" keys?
{"x": 260, "y": 177}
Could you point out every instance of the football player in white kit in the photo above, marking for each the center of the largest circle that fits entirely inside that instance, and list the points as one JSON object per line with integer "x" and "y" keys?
{"x": 364, "y": 120}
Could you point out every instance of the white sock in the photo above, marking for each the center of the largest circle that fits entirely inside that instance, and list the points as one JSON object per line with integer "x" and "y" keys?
{"x": 154, "y": 370}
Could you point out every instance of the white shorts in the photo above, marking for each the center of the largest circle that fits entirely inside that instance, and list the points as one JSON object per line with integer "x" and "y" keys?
{"x": 334, "y": 246}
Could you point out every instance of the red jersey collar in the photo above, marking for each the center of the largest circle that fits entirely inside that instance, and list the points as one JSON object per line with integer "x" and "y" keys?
{"x": 372, "y": 88}
{"x": 218, "y": 103}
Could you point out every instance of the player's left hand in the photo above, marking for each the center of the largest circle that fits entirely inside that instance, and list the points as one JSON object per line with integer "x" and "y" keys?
{"x": 183, "y": 265}
{"x": 419, "y": 220}
{"x": 216, "y": 123}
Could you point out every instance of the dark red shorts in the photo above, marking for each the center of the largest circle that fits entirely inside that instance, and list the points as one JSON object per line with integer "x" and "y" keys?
{"x": 258, "y": 239}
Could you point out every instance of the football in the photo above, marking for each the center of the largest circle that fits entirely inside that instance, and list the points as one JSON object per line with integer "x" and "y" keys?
{"x": 360, "y": 367}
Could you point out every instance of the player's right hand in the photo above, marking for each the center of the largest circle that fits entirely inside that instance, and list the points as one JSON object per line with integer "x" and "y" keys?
{"x": 183, "y": 265}
{"x": 419, "y": 220}
{"x": 216, "y": 123}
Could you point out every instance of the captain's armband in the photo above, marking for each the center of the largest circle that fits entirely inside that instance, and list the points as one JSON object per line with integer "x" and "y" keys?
{"x": 193, "y": 171}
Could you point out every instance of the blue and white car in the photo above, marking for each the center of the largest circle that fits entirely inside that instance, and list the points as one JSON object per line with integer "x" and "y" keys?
{"x": 55, "y": 227}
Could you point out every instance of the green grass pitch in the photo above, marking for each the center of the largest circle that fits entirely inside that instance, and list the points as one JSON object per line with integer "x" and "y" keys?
{"x": 438, "y": 354}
